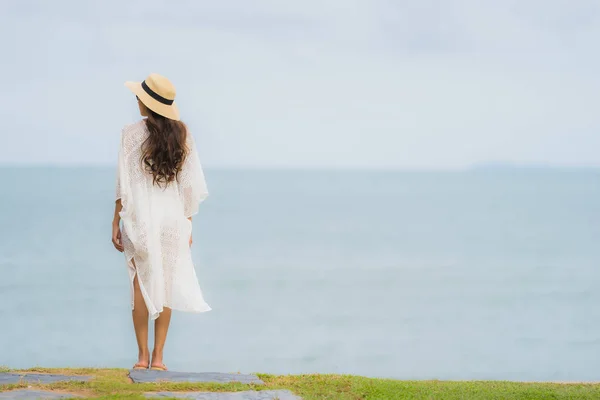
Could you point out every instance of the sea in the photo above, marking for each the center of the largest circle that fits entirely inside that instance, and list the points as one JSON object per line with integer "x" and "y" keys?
{"x": 477, "y": 274}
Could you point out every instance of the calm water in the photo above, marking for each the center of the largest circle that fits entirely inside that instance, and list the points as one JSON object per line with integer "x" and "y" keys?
{"x": 410, "y": 275}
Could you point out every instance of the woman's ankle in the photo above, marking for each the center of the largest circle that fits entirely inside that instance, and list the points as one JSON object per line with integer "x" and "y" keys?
{"x": 157, "y": 354}
{"x": 144, "y": 355}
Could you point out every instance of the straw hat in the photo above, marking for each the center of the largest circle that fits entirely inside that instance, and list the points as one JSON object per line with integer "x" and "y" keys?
{"x": 158, "y": 94}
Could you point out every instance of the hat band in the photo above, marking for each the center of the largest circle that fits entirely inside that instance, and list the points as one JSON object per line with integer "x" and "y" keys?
{"x": 155, "y": 95}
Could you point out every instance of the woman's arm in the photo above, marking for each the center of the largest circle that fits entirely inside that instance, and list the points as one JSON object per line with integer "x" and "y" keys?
{"x": 116, "y": 228}
{"x": 118, "y": 208}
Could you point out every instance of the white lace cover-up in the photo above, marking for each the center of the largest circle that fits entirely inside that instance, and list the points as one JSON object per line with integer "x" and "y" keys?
{"x": 156, "y": 229}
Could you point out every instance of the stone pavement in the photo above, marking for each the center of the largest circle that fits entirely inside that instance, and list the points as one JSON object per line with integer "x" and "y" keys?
{"x": 7, "y": 378}
{"x": 145, "y": 376}
{"x": 34, "y": 395}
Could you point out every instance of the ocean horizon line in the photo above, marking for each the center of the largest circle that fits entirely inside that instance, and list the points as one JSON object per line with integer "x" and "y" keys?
{"x": 469, "y": 168}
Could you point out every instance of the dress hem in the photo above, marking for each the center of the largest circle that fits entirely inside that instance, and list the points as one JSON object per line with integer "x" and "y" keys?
{"x": 132, "y": 267}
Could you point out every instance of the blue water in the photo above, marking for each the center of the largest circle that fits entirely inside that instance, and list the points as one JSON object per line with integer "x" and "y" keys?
{"x": 457, "y": 275}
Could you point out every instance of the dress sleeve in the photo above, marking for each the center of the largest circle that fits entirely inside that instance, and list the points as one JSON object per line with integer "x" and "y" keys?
{"x": 118, "y": 190}
{"x": 192, "y": 186}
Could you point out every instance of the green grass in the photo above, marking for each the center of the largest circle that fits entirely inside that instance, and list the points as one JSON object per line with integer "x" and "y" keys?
{"x": 115, "y": 384}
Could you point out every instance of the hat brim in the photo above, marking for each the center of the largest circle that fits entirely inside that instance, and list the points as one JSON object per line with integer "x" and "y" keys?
{"x": 167, "y": 111}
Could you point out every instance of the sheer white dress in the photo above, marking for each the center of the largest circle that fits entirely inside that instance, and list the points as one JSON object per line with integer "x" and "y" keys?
{"x": 156, "y": 229}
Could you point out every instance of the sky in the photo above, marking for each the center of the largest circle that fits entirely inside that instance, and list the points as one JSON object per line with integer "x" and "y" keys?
{"x": 428, "y": 84}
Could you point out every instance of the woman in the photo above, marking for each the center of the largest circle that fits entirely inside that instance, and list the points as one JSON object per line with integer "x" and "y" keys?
{"x": 160, "y": 185}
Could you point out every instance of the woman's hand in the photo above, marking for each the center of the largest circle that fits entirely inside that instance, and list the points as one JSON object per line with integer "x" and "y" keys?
{"x": 116, "y": 237}
{"x": 190, "y": 219}
{"x": 116, "y": 228}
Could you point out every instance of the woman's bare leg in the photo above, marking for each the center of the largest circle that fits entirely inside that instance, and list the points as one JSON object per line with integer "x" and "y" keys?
{"x": 140, "y": 324}
{"x": 161, "y": 327}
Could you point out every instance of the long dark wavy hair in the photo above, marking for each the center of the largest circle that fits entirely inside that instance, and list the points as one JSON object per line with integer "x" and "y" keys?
{"x": 165, "y": 150}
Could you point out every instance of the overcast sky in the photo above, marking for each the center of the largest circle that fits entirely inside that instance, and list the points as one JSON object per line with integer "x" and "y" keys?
{"x": 311, "y": 83}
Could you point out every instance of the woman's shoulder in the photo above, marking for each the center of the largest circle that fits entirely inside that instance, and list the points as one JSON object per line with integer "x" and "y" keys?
{"x": 137, "y": 129}
{"x": 136, "y": 126}
{"x": 132, "y": 135}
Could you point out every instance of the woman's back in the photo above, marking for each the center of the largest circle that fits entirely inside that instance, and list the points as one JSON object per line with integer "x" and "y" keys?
{"x": 156, "y": 225}
{"x": 161, "y": 200}
{"x": 182, "y": 195}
